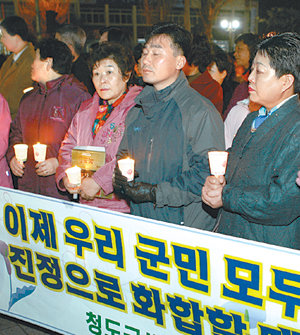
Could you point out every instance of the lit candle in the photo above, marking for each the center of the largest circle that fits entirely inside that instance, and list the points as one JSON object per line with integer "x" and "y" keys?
{"x": 39, "y": 152}
{"x": 126, "y": 166}
{"x": 74, "y": 176}
{"x": 21, "y": 152}
{"x": 217, "y": 162}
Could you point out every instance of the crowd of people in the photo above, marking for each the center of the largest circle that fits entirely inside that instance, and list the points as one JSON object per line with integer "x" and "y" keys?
{"x": 165, "y": 103}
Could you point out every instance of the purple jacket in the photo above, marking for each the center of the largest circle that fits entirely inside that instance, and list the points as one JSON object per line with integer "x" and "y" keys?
{"x": 5, "y": 120}
{"x": 109, "y": 136}
{"x": 44, "y": 116}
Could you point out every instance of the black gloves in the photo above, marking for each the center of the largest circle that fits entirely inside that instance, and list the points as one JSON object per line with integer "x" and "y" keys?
{"x": 119, "y": 181}
{"x": 137, "y": 192}
{"x": 140, "y": 192}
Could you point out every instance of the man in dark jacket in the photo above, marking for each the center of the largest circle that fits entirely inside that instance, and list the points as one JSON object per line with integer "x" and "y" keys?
{"x": 75, "y": 37}
{"x": 260, "y": 199}
{"x": 168, "y": 134}
{"x": 44, "y": 116}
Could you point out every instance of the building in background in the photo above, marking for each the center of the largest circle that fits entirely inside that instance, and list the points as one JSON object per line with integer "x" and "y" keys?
{"x": 137, "y": 16}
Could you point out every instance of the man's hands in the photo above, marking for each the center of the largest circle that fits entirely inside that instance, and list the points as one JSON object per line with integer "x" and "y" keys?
{"x": 212, "y": 191}
{"x": 137, "y": 192}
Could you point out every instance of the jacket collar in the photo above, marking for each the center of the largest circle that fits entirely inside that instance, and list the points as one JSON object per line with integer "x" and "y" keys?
{"x": 150, "y": 95}
{"x": 53, "y": 84}
{"x": 282, "y": 115}
{"x": 128, "y": 100}
{"x": 151, "y": 100}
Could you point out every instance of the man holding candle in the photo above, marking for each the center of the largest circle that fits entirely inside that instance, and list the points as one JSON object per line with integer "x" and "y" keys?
{"x": 44, "y": 116}
{"x": 259, "y": 196}
{"x": 168, "y": 134}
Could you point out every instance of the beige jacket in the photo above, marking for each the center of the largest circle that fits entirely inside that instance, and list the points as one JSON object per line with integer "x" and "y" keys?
{"x": 15, "y": 77}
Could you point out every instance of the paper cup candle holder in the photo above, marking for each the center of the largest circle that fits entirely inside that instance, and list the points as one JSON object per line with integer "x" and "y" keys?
{"x": 126, "y": 166}
{"x": 217, "y": 162}
{"x": 39, "y": 152}
{"x": 21, "y": 152}
{"x": 74, "y": 176}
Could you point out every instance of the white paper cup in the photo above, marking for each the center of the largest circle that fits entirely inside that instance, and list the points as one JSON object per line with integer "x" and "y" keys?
{"x": 217, "y": 162}
{"x": 39, "y": 152}
{"x": 74, "y": 175}
{"x": 21, "y": 152}
{"x": 126, "y": 166}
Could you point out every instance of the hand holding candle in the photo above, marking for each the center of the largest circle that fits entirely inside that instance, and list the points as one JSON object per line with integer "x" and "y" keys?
{"x": 126, "y": 166}
{"x": 214, "y": 184}
{"x": 74, "y": 176}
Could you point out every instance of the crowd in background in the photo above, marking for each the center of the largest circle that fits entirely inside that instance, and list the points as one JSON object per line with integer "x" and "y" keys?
{"x": 165, "y": 103}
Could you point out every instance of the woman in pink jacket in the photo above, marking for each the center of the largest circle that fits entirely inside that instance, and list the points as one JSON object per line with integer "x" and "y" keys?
{"x": 101, "y": 122}
{"x": 5, "y": 120}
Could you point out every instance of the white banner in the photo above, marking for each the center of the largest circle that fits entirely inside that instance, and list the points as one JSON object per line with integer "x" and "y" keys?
{"x": 81, "y": 270}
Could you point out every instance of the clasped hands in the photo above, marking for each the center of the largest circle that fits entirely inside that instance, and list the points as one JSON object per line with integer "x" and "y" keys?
{"x": 212, "y": 191}
{"x": 137, "y": 192}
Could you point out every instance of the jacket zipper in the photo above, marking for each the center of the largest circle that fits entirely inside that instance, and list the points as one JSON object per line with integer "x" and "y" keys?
{"x": 43, "y": 104}
{"x": 41, "y": 112}
{"x": 149, "y": 155}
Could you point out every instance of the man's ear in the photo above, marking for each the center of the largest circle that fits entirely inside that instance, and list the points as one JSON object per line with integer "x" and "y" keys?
{"x": 73, "y": 52}
{"x": 287, "y": 81}
{"x": 49, "y": 63}
{"x": 223, "y": 74}
{"x": 180, "y": 62}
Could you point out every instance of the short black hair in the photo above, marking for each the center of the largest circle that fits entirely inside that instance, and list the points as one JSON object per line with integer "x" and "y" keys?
{"x": 16, "y": 25}
{"x": 200, "y": 53}
{"x": 180, "y": 37}
{"x": 137, "y": 51}
{"x": 73, "y": 35}
{"x": 118, "y": 35}
{"x": 120, "y": 54}
{"x": 222, "y": 60}
{"x": 59, "y": 52}
{"x": 251, "y": 40}
{"x": 283, "y": 51}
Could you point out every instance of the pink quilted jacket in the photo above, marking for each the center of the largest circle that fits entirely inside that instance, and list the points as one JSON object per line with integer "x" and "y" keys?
{"x": 109, "y": 136}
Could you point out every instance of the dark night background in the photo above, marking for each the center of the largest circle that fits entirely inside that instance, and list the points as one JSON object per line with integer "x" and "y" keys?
{"x": 264, "y": 5}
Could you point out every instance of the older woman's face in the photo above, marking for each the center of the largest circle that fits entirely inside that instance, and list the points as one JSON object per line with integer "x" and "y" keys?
{"x": 38, "y": 69}
{"x": 108, "y": 80}
{"x": 242, "y": 54}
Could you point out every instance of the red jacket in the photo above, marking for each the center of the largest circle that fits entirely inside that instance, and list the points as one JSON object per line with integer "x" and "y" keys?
{"x": 209, "y": 88}
{"x": 44, "y": 116}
